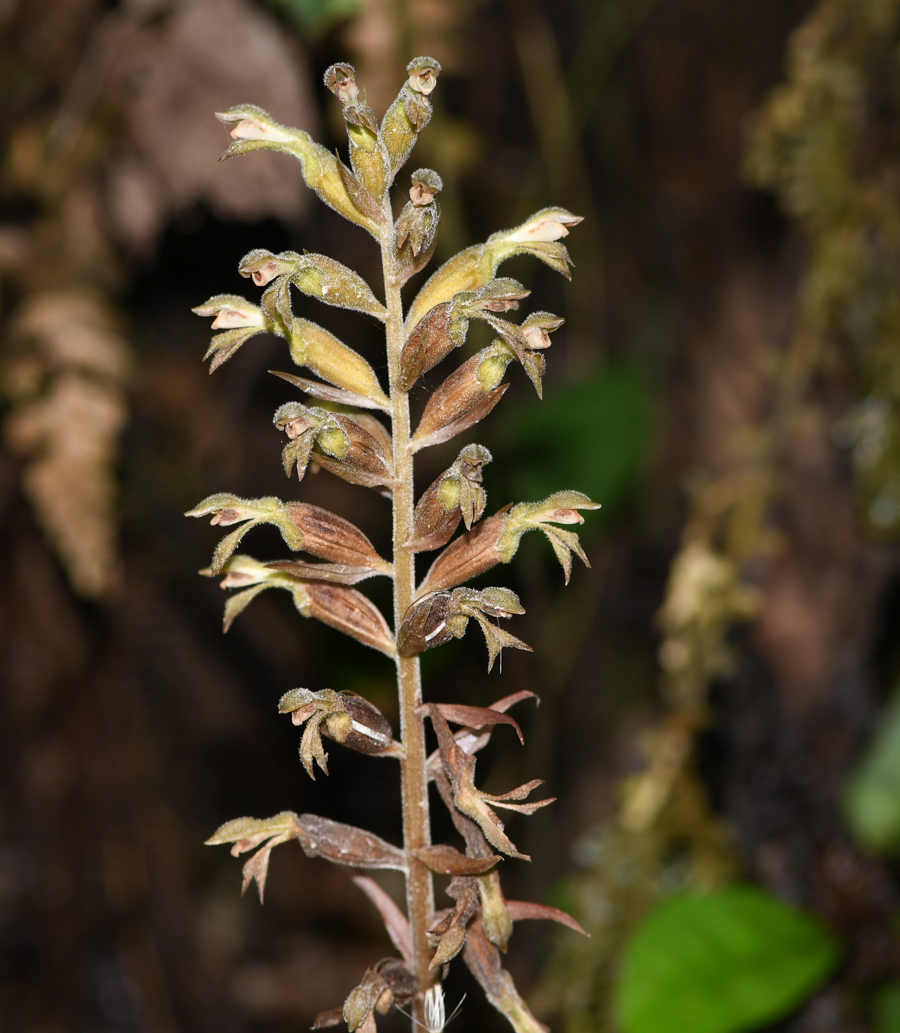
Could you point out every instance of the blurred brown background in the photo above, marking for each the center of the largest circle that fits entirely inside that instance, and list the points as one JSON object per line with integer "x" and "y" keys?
{"x": 698, "y": 391}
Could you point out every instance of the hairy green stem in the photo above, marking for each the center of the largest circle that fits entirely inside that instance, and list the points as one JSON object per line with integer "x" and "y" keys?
{"x": 413, "y": 776}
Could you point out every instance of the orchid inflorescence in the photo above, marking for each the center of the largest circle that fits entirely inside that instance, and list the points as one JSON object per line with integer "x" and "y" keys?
{"x": 340, "y": 433}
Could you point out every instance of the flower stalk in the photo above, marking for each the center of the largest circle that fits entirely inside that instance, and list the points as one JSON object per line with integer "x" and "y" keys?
{"x": 342, "y": 437}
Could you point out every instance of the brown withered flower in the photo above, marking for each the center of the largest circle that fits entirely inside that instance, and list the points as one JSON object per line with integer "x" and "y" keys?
{"x": 383, "y": 987}
{"x": 334, "y": 604}
{"x": 456, "y": 495}
{"x": 348, "y": 719}
{"x": 477, "y": 266}
{"x": 459, "y": 767}
{"x": 435, "y": 619}
{"x": 316, "y": 275}
{"x": 250, "y": 833}
{"x": 225, "y": 509}
{"x": 343, "y": 445}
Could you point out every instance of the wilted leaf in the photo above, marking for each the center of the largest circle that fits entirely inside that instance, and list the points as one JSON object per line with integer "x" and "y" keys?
{"x": 734, "y": 959}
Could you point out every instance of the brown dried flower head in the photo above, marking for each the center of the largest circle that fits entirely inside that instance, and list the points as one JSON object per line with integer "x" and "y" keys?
{"x": 435, "y": 619}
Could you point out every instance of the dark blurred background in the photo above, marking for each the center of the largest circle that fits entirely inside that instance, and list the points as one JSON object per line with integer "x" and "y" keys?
{"x": 716, "y": 689}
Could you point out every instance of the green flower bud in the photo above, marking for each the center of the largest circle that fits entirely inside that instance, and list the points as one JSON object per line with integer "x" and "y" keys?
{"x": 410, "y": 112}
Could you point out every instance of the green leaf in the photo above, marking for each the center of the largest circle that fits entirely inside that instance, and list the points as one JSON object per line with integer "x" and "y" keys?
{"x": 872, "y": 796}
{"x": 591, "y": 434}
{"x": 886, "y": 1010}
{"x": 731, "y": 960}
{"x": 315, "y": 17}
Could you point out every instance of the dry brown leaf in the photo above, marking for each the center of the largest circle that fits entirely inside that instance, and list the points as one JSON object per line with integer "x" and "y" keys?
{"x": 170, "y": 76}
{"x": 68, "y": 433}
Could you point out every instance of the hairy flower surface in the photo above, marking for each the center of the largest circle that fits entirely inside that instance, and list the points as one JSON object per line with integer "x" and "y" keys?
{"x": 340, "y": 436}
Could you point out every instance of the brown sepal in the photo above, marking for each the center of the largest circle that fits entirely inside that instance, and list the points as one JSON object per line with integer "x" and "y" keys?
{"x": 379, "y": 432}
{"x": 336, "y": 573}
{"x": 328, "y": 393}
{"x": 428, "y": 343}
{"x": 446, "y": 861}
{"x": 370, "y": 732}
{"x": 362, "y": 200}
{"x": 470, "y": 742}
{"x": 351, "y": 612}
{"x": 457, "y": 404}
{"x": 522, "y": 909}
{"x": 346, "y": 844}
{"x": 478, "y": 717}
{"x": 471, "y": 554}
{"x": 331, "y": 537}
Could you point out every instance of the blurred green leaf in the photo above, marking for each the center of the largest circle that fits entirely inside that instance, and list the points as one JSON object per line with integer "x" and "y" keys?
{"x": 886, "y": 1010}
{"x": 314, "y": 17}
{"x": 872, "y": 796}
{"x": 721, "y": 962}
{"x": 590, "y": 435}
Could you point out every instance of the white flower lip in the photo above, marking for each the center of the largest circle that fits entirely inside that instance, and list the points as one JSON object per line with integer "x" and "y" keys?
{"x": 233, "y": 317}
